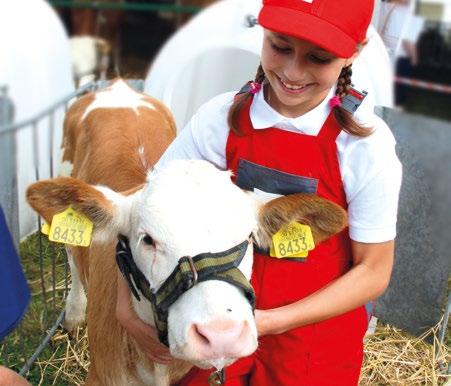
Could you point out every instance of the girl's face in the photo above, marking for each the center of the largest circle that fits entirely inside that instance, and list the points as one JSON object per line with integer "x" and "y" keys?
{"x": 300, "y": 73}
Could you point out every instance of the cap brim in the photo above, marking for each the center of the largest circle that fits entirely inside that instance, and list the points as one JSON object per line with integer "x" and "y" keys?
{"x": 307, "y": 27}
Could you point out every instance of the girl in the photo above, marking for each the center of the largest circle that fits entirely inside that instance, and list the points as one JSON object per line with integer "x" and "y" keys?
{"x": 290, "y": 131}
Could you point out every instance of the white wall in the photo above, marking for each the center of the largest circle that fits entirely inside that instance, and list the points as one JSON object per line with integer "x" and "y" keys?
{"x": 35, "y": 65}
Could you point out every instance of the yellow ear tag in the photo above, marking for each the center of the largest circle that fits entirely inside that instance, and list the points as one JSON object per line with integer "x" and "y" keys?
{"x": 71, "y": 227}
{"x": 45, "y": 228}
{"x": 292, "y": 240}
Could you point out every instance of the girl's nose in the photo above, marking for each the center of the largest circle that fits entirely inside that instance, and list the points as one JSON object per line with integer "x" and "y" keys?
{"x": 294, "y": 71}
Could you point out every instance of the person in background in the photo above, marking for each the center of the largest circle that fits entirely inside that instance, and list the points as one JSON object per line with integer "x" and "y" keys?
{"x": 299, "y": 127}
{"x": 400, "y": 30}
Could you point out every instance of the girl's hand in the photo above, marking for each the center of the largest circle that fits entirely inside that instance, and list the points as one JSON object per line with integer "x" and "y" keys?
{"x": 145, "y": 336}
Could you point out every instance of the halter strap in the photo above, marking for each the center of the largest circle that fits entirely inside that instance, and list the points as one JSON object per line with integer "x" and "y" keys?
{"x": 188, "y": 272}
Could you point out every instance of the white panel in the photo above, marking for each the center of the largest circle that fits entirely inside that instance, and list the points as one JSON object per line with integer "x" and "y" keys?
{"x": 35, "y": 65}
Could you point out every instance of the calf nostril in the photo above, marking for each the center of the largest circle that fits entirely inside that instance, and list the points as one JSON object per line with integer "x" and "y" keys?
{"x": 229, "y": 310}
{"x": 203, "y": 339}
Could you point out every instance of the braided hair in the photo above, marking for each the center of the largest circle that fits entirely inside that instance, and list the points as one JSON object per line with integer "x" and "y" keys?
{"x": 344, "y": 118}
{"x": 240, "y": 101}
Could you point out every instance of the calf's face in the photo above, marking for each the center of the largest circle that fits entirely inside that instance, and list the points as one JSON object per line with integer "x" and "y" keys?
{"x": 187, "y": 209}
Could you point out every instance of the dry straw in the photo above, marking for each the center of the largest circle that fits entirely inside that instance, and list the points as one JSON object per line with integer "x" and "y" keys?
{"x": 392, "y": 357}
{"x": 70, "y": 361}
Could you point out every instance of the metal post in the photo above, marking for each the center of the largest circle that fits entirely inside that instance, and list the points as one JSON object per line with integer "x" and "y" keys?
{"x": 8, "y": 166}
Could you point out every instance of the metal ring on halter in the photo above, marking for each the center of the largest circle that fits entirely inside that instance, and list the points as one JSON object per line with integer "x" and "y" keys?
{"x": 217, "y": 378}
{"x": 193, "y": 269}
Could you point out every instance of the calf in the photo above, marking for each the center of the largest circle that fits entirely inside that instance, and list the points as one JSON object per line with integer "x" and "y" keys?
{"x": 95, "y": 39}
{"x": 186, "y": 217}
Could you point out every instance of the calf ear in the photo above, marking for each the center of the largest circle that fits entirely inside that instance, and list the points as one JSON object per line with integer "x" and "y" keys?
{"x": 323, "y": 216}
{"x": 50, "y": 197}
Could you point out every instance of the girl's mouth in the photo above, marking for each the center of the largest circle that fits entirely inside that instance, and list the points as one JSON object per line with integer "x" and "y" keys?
{"x": 293, "y": 88}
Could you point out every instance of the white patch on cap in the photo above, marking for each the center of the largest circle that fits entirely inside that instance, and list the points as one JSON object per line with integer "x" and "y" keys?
{"x": 118, "y": 95}
{"x": 308, "y": 1}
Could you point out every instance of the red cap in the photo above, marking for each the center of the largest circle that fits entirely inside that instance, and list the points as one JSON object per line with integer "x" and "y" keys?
{"x": 338, "y": 26}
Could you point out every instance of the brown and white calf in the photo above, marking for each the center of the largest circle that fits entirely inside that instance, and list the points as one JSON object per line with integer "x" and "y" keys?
{"x": 186, "y": 209}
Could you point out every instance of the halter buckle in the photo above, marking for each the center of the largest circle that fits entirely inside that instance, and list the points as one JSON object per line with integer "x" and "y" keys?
{"x": 217, "y": 378}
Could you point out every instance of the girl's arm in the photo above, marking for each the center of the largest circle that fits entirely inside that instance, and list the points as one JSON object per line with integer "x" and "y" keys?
{"x": 365, "y": 281}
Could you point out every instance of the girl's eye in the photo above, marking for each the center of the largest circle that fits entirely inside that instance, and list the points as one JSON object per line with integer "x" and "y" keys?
{"x": 319, "y": 59}
{"x": 147, "y": 240}
{"x": 281, "y": 50}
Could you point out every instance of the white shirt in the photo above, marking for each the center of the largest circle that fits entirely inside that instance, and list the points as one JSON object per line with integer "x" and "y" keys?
{"x": 370, "y": 169}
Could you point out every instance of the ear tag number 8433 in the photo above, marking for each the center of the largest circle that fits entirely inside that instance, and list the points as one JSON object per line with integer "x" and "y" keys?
{"x": 71, "y": 227}
{"x": 293, "y": 240}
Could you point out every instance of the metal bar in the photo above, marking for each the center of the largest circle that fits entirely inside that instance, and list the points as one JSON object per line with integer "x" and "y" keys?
{"x": 51, "y": 142}
{"x": 51, "y": 133}
{"x": 41, "y": 347}
{"x": 8, "y": 161}
{"x": 444, "y": 325}
{"x": 41, "y": 273}
{"x": 36, "y": 161}
{"x": 53, "y": 254}
{"x": 24, "y": 124}
{"x": 125, "y": 6}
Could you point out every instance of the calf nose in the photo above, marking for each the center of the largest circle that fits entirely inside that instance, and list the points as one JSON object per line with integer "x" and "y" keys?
{"x": 221, "y": 338}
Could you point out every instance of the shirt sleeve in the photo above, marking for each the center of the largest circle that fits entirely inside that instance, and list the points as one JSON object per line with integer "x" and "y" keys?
{"x": 372, "y": 179}
{"x": 373, "y": 211}
{"x": 204, "y": 137}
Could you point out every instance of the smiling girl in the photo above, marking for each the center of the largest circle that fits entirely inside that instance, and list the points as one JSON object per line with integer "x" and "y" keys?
{"x": 297, "y": 128}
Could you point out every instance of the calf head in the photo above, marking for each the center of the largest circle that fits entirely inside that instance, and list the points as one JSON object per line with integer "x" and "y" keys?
{"x": 187, "y": 210}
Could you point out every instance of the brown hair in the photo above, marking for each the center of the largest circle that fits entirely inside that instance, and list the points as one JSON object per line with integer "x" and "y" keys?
{"x": 343, "y": 117}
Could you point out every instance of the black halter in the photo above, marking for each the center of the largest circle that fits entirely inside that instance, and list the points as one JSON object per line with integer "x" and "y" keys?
{"x": 188, "y": 272}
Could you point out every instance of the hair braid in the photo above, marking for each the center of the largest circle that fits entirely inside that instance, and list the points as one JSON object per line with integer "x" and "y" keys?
{"x": 344, "y": 82}
{"x": 260, "y": 75}
{"x": 239, "y": 102}
{"x": 343, "y": 117}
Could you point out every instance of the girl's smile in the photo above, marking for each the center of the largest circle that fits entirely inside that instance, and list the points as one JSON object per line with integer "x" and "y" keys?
{"x": 294, "y": 88}
{"x": 300, "y": 73}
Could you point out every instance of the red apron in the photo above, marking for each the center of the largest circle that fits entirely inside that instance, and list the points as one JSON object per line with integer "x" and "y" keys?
{"x": 324, "y": 353}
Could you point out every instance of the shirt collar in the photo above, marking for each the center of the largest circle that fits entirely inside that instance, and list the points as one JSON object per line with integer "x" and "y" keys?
{"x": 263, "y": 116}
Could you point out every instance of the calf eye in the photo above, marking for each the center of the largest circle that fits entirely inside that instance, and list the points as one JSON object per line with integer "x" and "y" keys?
{"x": 148, "y": 240}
